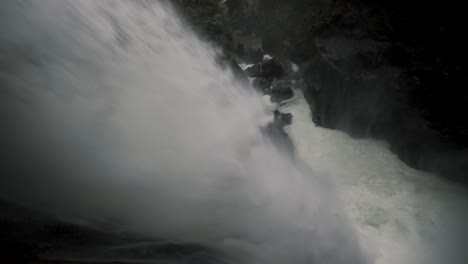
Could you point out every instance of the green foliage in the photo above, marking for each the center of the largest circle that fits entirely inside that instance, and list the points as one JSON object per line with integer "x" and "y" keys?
{"x": 275, "y": 20}
{"x": 211, "y": 19}
{"x": 243, "y": 14}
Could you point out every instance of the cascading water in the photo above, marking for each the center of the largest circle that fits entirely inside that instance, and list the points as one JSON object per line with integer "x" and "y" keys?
{"x": 116, "y": 116}
{"x": 402, "y": 215}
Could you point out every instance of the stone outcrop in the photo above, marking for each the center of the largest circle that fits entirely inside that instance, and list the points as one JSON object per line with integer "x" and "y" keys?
{"x": 270, "y": 68}
{"x": 393, "y": 70}
{"x": 272, "y": 78}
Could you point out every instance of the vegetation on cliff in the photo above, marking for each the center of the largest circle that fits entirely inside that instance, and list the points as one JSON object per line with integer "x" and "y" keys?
{"x": 210, "y": 17}
{"x": 393, "y": 70}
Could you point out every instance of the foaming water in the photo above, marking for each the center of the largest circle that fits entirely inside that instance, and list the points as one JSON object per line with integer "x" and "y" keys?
{"x": 114, "y": 115}
{"x": 402, "y": 215}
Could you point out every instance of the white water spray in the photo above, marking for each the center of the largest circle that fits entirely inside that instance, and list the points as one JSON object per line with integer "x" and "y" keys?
{"x": 402, "y": 215}
{"x": 113, "y": 114}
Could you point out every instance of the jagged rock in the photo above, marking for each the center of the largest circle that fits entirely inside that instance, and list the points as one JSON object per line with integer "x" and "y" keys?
{"x": 249, "y": 55}
{"x": 268, "y": 68}
{"x": 262, "y": 83}
{"x": 273, "y": 68}
{"x": 368, "y": 74}
{"x": 255, "y": 70}
{"x": 280, "y": 90}
{"x": 237, "y": 70}
{"x": 254, "y": 55}
{"x": 282, "y": 119}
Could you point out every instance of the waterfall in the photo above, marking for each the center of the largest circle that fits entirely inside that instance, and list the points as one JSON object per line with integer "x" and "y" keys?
{"x": 401, "y": 215}
{"x": 115, "y": 115}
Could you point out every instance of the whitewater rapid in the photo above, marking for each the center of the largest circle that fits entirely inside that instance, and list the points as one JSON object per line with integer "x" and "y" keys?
{"x": 117, "y": 117}
{"x": 402, "y": 215}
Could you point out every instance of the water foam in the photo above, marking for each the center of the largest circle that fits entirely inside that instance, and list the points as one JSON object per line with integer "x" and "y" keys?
{"x": 115, "y": 115}
{"x": 402, "y": 215}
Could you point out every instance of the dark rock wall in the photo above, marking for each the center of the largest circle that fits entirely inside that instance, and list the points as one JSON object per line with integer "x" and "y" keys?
{"x": 393, "y": 70}
{"x": 209, "y": 18}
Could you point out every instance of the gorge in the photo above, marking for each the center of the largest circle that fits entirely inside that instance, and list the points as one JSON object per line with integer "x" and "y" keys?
{"x": 199, "y": 131}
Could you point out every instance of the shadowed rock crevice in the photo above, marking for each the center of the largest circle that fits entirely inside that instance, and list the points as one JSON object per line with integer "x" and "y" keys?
{"x": 392, "y": 70}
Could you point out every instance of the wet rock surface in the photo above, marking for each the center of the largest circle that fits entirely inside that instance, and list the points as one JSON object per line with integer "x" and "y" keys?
{"x": 392, "y": 70}
{"x": 272, "y": 77}
{"x": 283, "y": 119}
{"x": 269, "y": 68}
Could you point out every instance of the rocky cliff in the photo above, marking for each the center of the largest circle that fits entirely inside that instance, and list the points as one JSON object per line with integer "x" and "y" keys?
{"x": 390, "y": 70}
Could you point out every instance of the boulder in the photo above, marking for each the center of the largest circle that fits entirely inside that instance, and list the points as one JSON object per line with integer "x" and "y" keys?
{"x": 249, "y": 55}
{"x": 272, "y": 68}
{"x": 282, "y": 119}
{"x": 280, "y": 90}
{"x": 369, "y": 74}
{"x": 237, "y": 70}
{"x": 262, "y": 83}
{"x": 254, "y": 55}
{"x": 255, "y": 70}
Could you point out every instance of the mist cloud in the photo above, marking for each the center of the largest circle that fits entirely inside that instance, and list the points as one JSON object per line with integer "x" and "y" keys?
{"x": 112, "y": 113}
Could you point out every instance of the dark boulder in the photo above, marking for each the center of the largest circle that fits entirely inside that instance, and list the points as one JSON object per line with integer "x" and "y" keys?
{"x": 237, "y": 70}
{"x": 268, "y": 68}
{"x": 370, "y": 81}
{"x": 249, "y": 54}
{"x": 381, "y": 69}
{"x": 280, "y": 90}
{"x": 268, "y": 79}
{"x": 262, "y": 83}
{"x": 282, "y": 119}
{"x": 254, "y": 55}
{"x": 255, "y": 70}
{"x": 273, "y": 68}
